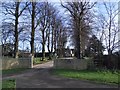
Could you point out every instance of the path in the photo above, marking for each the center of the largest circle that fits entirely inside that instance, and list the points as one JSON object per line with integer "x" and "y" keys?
{"x": 40, "y": 77}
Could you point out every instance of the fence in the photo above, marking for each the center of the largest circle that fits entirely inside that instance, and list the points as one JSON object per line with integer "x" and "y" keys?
{"x": 11, "y": 63}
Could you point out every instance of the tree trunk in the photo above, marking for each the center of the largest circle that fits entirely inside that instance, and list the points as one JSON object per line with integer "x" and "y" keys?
{"x": 43, "y": 51}
{"x": 60, "y": 44}
{"x": 78, "y": 49}
{"x": 52, "y": 39}
{"x": 33, "y": 29}
{"x": 78, "y": 37}
{"x": 52, "y": 42}
{"x": 48, "y": 46}
{"x": 16, "y": 30}
{"x": 43, "y": 45}
{"x": 55, "y": 39}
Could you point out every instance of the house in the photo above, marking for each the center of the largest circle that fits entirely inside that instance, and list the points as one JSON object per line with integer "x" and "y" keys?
{"x": 7, "y": 49}
{"x": 65, "y": 52}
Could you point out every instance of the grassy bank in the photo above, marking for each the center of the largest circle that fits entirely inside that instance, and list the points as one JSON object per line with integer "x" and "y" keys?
{"x": 104, "y": 76}
{"x": 9, "y": 84}
{"x": 13, "y": 71}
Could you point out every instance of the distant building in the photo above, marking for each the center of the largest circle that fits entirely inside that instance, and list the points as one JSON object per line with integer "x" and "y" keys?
{"x": 7, "y": 49}
{"x": 65, "y": 52}
{"x": 24, "y": 53}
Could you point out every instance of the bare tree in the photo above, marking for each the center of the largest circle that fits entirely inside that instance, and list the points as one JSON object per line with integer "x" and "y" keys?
{"x": 78, "y": 11}
{"x": 108, "y": 26}
{"x": 7, "y": 35}
{"x": 13, "y": 9}
{"x": 34, "y": 12}
{"x": 43, "y": 22}
{"x": 50, "y": 39}
{"x": 108, "y": 30}
{"x": 61, "y": 38}
{"x": 53, "y": 29}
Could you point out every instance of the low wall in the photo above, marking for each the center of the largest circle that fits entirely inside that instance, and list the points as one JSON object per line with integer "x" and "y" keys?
{"x": 70, "y": 63}
{"x": 11, "y": 63}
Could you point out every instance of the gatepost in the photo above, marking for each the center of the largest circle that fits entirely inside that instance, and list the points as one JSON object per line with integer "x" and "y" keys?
{"x": 31, "y": 61}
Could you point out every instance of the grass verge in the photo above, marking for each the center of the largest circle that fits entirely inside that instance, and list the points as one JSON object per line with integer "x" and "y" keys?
{"x": 106, "y": 76}
{"x": 8, "y": 84}
{"x": 13, "y": 71}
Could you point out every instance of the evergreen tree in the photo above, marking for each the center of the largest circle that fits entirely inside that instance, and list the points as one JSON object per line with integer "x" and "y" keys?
{"x": 94, "y": 47}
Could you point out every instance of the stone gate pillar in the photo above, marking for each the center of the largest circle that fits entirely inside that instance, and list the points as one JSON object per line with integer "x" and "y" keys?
{"x": 31, "y": 61}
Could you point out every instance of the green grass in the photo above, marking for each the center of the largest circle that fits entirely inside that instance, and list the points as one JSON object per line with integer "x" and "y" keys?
{"x": 105, "y": 76}
{"x": 9, "y": 84}
{"x": 13, "y": 71}
{"x": 38, "y": 61}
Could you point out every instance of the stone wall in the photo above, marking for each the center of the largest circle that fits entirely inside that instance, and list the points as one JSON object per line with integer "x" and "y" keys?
{"x": 11, "y": 63}
{"x": 70, "y": 63}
